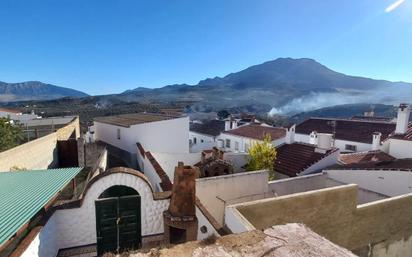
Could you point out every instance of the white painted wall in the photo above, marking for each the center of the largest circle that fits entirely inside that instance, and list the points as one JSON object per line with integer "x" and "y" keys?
{"x": 235, "y": 221}
{"x": 168, "y": 161}
{"x": 212, "y": 191}
{"x": 160, "y": 136}
{"x": 329, "y": 160}
{"x": 243, "y": 141}
{"x": 199, "y": 137}
{"x": 45, "y": 244}
{"x": 386, "y": 182}
{"x": 76, "y": 227}
{"x": 203, "y": 221}
{"x": 360, "y": 147}
{"x": 400, "y": 148}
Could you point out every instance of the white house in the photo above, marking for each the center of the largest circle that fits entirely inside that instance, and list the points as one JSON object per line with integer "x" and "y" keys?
{"x": 203, "y": 135}
{"x": 297, "y": 159}
{"x": 350, "y": 135}
{"x": 241, "y": 138}
{"x": 17, "y": 115}
{"x": 157, "y": 132}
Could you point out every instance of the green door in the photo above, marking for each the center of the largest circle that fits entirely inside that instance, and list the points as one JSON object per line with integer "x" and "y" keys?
{"x": 118, "y": 224}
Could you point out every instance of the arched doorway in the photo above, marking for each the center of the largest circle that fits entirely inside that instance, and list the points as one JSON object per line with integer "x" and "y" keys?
{"x": 118, "y": 220}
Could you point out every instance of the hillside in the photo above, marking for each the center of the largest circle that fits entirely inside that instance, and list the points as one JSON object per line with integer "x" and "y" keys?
{"x": 304, "y": 83}
{"x": 34, "y": 90}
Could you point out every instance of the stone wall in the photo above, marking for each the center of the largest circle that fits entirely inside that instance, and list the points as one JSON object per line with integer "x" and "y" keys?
{"x": 40, "y": 153}
{"x": 334, "y": 214}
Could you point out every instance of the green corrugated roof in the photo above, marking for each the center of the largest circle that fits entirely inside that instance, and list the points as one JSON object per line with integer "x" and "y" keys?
{"x": 24, "y": 193}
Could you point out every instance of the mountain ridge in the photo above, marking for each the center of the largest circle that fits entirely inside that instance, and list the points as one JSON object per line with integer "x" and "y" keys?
{"x": 35, "y": 90}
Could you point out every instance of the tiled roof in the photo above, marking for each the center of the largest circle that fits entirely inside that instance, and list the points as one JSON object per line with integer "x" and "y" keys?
{"x": 127, "y": 120}
{"x": 25, "y": 193}
{"x": 396, "y": 164}
{"x": 351, "y": 130}
{"x": 362, "y": 157}
{"x": 212, "y": 127}
{"x": 407, "y": 136}
{"x": 291, "y": 159}
{"x": 372, "y": 118}
{"x": 257, "y": 132}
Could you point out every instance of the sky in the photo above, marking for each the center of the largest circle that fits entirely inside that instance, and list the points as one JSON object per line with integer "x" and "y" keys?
{"x": 108, "y": 46}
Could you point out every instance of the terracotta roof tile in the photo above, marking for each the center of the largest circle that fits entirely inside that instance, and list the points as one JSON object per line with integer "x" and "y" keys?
{"x": 351, "y": 130}
{"x": 407, "y": 136}
{"x": 291, "y": 159}
{"x": 396, "y": 164}
{"x": 362, "y": 157}
{"x": 257, "y": 132}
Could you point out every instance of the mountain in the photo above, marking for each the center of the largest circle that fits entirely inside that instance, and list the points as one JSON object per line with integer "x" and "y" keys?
{"x": 288, "y": 85}
{"x": 34, "y": 90}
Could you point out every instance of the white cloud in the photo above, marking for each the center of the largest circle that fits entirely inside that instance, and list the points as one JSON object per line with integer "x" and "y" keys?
{"x": 393, "y": 6}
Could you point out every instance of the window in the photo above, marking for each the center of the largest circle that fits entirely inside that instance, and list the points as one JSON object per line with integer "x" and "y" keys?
{"x": 194, "y": 140}
{"x": 227, "y": 143}
{"x": 118, "y": 133}
{"x": 236, "y": 146}
{"x": 201, "y": 141}
{"x": 350, "y": 148}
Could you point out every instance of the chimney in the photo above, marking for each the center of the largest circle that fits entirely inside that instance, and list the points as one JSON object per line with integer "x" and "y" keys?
{"x": 290, "y": 134}
{"x": 402, "y": 120}
{"x": 227, "y": 124}
{"x": 376, "y": 140}
{"x": 234, "y": 124}
{"x": 324, "y": 141}
{"x": 180, "y": 222}
{"x": 202, "y": 157}
{"x": 182, "y": 202}
{"x": 313, "y": 138}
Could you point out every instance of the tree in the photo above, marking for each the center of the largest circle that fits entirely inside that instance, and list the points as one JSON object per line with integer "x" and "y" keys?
{"x": 10, "y": 134}
{"x": 262, "y": 155}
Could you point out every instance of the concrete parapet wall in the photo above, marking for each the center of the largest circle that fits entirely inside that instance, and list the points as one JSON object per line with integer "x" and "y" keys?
{"x": 334, "y": 214}
{"x": 37, "y": 154}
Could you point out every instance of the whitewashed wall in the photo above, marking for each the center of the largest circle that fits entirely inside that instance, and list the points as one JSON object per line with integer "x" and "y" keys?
{"x": 160, "y": 136}
{"x": 45, "y": 244}
{"x": 203, "y": 221}
{"x": 199, "y": 137}
{"x": 212, "y": 191}
{"x": 329, "y": 160}
{"x": 243, "y": 141}
{"x": 386, "y": 182}
{"x": 76, "y": 227}
{"x": 360, "y": 147}
{"x": 400, "y": 148}
{"x": 235, "y": 221}
{"x": 168, "y": 161}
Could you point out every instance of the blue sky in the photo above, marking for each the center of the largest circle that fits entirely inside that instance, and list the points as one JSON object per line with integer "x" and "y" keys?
{"x": 102, "y": 46}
